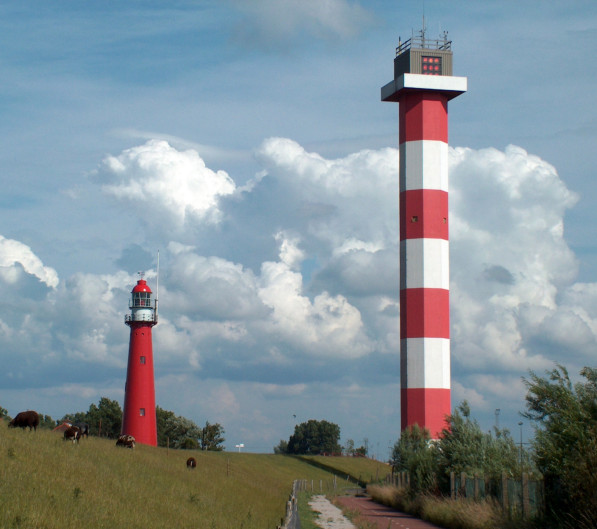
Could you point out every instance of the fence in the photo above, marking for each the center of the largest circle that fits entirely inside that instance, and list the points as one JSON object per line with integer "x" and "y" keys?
{"x": 292, "y": 520}
{"x": 517, "y": 496}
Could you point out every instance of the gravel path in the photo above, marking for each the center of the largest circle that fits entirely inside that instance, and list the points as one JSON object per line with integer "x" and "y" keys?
{"x": 330, "y": 517}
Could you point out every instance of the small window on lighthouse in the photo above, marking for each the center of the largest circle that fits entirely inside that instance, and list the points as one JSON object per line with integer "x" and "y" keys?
{"x": 142, "y": 360}
{"x": 142, "y": 412}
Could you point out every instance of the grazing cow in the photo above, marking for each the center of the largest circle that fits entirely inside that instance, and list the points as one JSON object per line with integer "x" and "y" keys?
{"x": 83, "y": 427}
{"x": 128, "y": 441}
{"x": 72, "y": 434}
{"x": 191, "y": 463}
{"x": 24, "y": 419}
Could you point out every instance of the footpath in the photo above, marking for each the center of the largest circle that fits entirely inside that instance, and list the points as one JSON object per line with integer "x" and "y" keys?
{"x": 380, "y": 516}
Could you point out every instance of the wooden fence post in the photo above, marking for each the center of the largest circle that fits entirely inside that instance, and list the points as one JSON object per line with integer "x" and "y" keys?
{"x": 504, "y": 491}
{"x": 476, "y": 487}
{"x": 452, "y": 485}
{"x": 463, "y": 484}
{"x": 526, "y": 504}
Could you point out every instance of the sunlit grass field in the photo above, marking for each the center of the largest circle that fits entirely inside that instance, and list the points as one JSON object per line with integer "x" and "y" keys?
{"x": 48, "y": 483}
{"x": 362, "y": 469}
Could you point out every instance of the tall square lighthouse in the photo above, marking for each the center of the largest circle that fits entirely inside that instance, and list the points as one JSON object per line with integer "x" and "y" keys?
{"x": 423, "y": 84}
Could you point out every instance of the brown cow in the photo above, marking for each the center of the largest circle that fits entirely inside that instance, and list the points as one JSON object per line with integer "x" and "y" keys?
{"x": 24, "y": 419}
{"x": 191, "y": 463}
{"x": 72, "y": 434}
{"x": 128, "y": 441}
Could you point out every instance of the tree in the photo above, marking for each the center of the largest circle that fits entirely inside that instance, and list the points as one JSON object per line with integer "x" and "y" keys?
{"x": 4, "y": 414}
{"x": 282, "y": 447}
{"x": 362, "y": 451}
{"x": 414, "y": 453}
{"x": 45, "y": 421}
{"x": 315, "y": 437}
{"x": 464, "y": 447}
{"x": 349, "y": 448}
{"x": 212, "y": 437}
{"x": 107, "y": 413}
{"x": 175, "y": 431}
{"x": 565, "y": 442}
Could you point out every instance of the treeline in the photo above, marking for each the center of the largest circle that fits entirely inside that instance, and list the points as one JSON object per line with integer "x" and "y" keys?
{"x": 105, "y": 420}
{"x": 563, "y": 452}
{"x": 318, "y": 437}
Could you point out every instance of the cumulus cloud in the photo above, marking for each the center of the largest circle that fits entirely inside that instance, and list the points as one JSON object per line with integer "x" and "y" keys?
{"x": 298, "y": 286}
{"x": 161, "y": 184}
{"x": 274, "y": 23}
{"x": 16, "y": 257}
{"x": 326, "y": 325}
{"x": 510, "y": 263}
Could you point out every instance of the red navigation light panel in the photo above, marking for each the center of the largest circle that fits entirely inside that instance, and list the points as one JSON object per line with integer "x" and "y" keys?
{"x": 431, "y": 65}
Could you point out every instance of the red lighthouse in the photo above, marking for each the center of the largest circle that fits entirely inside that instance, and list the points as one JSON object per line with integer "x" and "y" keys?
{"x": 139, "y": 419}
{"x": 423, "y": 84}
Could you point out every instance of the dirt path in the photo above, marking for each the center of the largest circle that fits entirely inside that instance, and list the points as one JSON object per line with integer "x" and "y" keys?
{"x": 383, "y": 517}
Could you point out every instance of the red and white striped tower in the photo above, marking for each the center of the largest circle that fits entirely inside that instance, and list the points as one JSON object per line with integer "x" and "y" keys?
{"x": 423, "y": 84}
{"x": 139, "y": 418}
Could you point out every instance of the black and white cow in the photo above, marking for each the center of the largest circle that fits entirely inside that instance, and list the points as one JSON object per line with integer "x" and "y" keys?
{"x": 72, "y": 433}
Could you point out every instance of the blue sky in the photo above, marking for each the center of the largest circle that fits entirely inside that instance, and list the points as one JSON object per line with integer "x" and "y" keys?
{"x": 247, "y": 143}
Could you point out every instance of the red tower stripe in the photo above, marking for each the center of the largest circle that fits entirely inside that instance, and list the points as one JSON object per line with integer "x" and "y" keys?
{"x": 424, "y": 313}
{"x": 423, "y": 116}
{"x": 426, "y": 407}
{"x": 424, "y": 214}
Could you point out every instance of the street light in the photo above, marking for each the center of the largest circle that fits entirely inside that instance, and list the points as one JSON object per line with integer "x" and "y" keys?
{"x": 520, "y": 424}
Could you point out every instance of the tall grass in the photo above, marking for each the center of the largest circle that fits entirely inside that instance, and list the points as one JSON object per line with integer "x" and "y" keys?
{"x": 51, "y": 484}
{"x": 445, "y": 512}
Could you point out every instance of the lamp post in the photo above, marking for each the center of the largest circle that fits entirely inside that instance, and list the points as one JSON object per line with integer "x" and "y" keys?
{"x": 520, "y": 424}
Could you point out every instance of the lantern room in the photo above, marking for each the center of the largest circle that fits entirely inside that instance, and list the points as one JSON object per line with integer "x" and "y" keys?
{"x": 141, "y": 304}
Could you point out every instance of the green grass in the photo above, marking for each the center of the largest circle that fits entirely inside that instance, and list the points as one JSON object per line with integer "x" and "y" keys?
{"x": 48, "y": 483}
{"x": 306, "y": 515}
{"x": 361, "y": 469}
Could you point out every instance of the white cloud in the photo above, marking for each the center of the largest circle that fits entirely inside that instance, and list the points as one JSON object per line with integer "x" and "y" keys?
{"x": 312, "y": 291}
{"x": 13, "y": 253}
{"x": 510, "y": 263}
{"x": 163, "y": 185}
{"x": 328, "y": 325}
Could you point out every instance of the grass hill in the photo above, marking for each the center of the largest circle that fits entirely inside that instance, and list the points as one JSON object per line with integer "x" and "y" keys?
{"x": 361, "y": 469}
{"x": 48, "y": 483}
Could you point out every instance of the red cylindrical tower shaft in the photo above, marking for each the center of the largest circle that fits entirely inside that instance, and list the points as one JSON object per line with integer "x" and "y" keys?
{"x": 139, "y": 417}
{"x": 423, "y": 85}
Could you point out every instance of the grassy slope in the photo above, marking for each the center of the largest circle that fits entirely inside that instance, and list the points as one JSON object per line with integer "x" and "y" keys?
{"x": 48, "y": 483}
{"x": 359, "y": 468}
